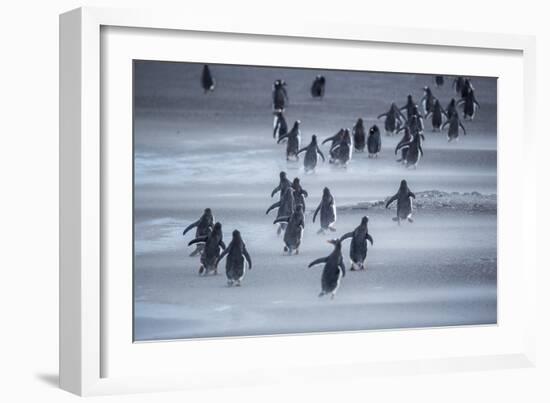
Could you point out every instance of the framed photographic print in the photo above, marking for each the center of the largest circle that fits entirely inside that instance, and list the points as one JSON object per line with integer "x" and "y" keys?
{"x": 240, "y": 199}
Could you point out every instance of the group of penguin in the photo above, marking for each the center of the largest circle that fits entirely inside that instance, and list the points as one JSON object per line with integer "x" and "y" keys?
{"x": 291, "y": 205}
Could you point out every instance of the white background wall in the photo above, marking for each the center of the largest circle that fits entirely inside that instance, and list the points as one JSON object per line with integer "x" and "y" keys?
{"x": 29, "y": 201}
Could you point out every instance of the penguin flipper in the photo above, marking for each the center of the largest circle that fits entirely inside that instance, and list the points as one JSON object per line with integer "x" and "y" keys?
{"x": 200, "y": 239}
{"x": 369, "y": 237}
{"x": 192, "y": 225}
{"x": 274, "y": 205}
{"x": 318, "y": 261}
{"x": 247, "y": 257}
{"x": 346, "y": 236}
{"x": 281, "y": 219}
{"x": 321, "y": 154}
{"x": 316, "y": 211}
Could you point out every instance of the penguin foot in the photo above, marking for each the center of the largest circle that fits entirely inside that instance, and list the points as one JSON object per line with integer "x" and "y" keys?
{"x": 297, "y": 251}
{"x": 321, "y": 231}
{"x": 409, "y": 219}
{"x": 201, "y": 270}
{"x": 322, "y": 293}
{"x": 230, "y": 283}
{"x": 332, "y": 296}
{"x": 285, "y": 248}
{"x": 395, "y": 219}
{"x": 238, "y": 283}
{"x": 332, "y": 229}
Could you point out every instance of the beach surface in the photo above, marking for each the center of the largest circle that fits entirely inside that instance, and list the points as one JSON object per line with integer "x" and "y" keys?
{"x": 195, "y": 150}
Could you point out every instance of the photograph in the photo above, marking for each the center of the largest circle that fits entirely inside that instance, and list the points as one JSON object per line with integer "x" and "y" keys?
{"x": 274, "y": 200}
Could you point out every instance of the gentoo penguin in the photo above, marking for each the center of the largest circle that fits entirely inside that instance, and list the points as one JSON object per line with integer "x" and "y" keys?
{"x": 439, "y": 81}
{"x": 414, "y": 150}
{"x": 207, "y": 81}
{"x": 294, "y": 229}
{"x": 335, "y": 140}
{"x": 318, "y": 87}
{"x": 293, "y": 141}
{"x": 416, "y": 121}
{"x": 300, "y": 194}
{"x": 466, "y": 88}
{"x": 211, "y": 251}
{"x": 469, "y": 105}
{"x": 343, "y": 151}
{"x": 283, "y": 184}
{"x": 327, "y": 207}
{"x": 359, "y": 136}
{"x": 204, "y": 226}
{"x": 311, "y": 150}
{"x": 407, "y": 137}
{"x": 437, "y": 115}
{"x": 333, "y": 271}
{"x": 409, "y": 106}
{"x": 374, "y": 142}
{"x": 454, "y": 127}
{"x": 285, "y": 207}
{"x": 358, "y": 246}
{"x": 427, "y": 101}
{"x": 280, "y": 96}
{"x": 404, "y": 198}
{"x": 458, "y": 84}
{"x": 280, "y": 128}
{"x": 234, "y": 265}
{"x": 451, "y": 108}
{"x": 394, "y": 119}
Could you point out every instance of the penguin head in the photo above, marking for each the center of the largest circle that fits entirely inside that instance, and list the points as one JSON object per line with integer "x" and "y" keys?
{"x": 360, "y": 122}
{"x": 236, "y": 235}
{"x": 208, "y": 211}
{"x": 347, "y": 135}
{"x": 453, "y": 101}
{"x": 336, "y": 242}
{"x": 326, "y": 192}
{"x": 282, "y": 175}
{"x": 218, "y": 227}
{"x": 296, "y": 182}
{"x": 409, "y": 98}
{"x": 403, "y": 185}
{"x": 364, "y": 220}
{"x": 314, "y": 139}
{"x": 374, "y": 129}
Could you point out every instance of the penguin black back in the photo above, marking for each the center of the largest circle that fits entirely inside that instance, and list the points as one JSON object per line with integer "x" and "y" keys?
{"x": 207, "y": 81}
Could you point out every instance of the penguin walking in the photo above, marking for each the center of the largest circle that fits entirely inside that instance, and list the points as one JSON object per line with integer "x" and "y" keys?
{"x": 437, "y": 114}
{"x": 359, "y": 136}
{"x": 451, "y": 108}
{"x": 416, "y": 121}
{"x": 455, "y": 125}
{"x": 283, "y": 184}
{"x": 294, "y": 230}
{"x": 311, "y": 150}
{"x": 207, "y": 81}
{"x": 414, "y": 150}
{"x": 358, "y": 246}
{"x": 458, "y": 84}
{"x": 234, "y": 265}
{"x": 300, "y": 194}
{"x": 407, "y": 137}
{"x": 211, "y": 251}
{"x": 404, "y": 198}
{"x": 318, "y": 87}
{"x": 343, "y": 151}
{"x": 427, "y": 101}
{"x": 469, "y": 105}
{"x": 374, "y": 142}
{"x": 439, "y": 81}
{"x": 466, "y": 88}
{"x": 285, "y": 207}
{"x": 394, "y": 119}
{"x": 204, "y": 227}
{"x": 409, "y": 106}
{"x": 280, "y": 96}
{"x": 293, "y": 141}
{"x": 280, "y": 128}
{"x": 327, "y": 207}
{"x": 335, "y": 140}
{"x": 333, "y": 271}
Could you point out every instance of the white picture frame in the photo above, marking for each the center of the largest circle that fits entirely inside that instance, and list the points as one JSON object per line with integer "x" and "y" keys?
{"x": 85, "y": 343}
